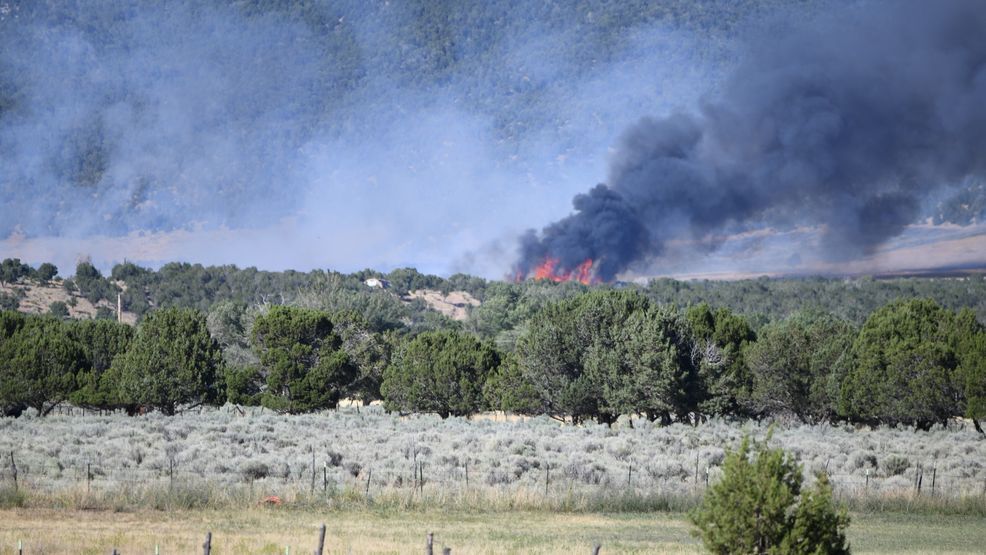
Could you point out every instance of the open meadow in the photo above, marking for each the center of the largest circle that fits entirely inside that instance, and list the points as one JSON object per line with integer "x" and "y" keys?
{"x": 269, "y": 530}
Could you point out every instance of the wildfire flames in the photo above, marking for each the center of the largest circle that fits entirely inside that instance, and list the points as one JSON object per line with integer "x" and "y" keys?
{"x": 549, "y": 270}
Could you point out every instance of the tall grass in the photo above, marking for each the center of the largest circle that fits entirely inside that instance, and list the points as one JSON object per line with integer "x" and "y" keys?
{"x": 217, "y": 496}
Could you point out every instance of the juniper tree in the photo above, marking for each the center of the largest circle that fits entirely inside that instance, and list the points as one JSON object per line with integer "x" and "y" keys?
{"x": 759, "y": 506}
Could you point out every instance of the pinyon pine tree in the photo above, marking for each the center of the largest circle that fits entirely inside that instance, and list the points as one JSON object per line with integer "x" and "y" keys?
{"x": 759, "y": 507}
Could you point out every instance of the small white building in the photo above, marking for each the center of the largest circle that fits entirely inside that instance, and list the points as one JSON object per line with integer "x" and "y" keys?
{"x": 377, "y": 283}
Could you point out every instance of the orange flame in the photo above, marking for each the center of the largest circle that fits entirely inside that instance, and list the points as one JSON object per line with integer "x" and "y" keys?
{"x": 581, "y": 273}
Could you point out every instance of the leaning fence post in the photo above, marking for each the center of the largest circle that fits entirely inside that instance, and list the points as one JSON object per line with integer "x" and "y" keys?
{"x": 207, "y": 546}
{"x": 428, "y": 544}
{"x": 595, "y": 550}
{"x": 369, "y": 475}
{"x": 321, "y": 540}
{"x": 934, "y": 474}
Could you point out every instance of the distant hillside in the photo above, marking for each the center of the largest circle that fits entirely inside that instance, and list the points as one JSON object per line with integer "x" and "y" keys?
{"x": 34, "y": 297}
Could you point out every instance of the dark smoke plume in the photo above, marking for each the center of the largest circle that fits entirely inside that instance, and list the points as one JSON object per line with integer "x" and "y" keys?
{"x": 849, "y": 124}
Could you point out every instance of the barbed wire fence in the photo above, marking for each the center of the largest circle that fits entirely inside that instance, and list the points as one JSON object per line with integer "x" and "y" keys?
{"x": 27, "y": 470}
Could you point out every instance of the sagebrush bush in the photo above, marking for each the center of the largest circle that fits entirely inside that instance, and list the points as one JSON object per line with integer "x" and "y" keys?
{"x": 895, "y": 465}
{"x": 219, "y": 447}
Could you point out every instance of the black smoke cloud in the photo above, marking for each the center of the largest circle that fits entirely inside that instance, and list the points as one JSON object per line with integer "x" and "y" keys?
{"x": 849, "y": 122}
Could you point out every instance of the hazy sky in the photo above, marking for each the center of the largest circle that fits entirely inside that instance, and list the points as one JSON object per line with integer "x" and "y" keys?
{"x": 214, "y": 135}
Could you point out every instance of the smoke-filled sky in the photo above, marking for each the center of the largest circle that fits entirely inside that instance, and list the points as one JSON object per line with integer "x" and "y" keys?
{"x": 850, "y": 124}
{"x": 382, "y": 134}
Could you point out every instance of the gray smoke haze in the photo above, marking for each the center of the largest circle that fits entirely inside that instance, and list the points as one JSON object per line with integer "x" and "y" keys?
{"x": 849, "y": 122}
{"x": 304, "y": 134}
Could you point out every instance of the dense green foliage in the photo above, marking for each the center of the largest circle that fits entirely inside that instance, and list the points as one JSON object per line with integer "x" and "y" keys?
{"x": 441, "y": 372}
{"x": 298, "y": 342}
{"x": 38, "y": 364}
{"x": 904, "y": 366}
{"x": 795, "y": 365}
{"x": 102, "y": 341}
{"x": 759, "y": 506}
{"x": 12, "y": 269}
{"x": 172, "y": 361}
{"x": 301, "y": 360}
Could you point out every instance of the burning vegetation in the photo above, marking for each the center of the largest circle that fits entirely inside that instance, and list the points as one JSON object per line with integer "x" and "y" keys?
{"x": 551, "y": 269}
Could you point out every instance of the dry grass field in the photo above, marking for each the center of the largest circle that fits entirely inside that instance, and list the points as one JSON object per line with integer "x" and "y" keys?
{"x": 264, "y": 530}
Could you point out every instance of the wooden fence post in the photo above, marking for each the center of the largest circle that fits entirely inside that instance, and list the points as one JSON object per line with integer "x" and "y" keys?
{"x": 13, "y": 469}
{"x": 428, "y": 544}
{"x": 312, "y": 492}
{"x": 369, "y": 475}
{"x": 595, "y": 550}
{"x": 934, "y": 475}
{"x": 207, "y": 546}
{"x": 467, "y": 473}
{"x": 321, "y": 540}
{"x": 325, "y": 477}
{"x": 88, "y": 476}
{"x": 547, "y": 477}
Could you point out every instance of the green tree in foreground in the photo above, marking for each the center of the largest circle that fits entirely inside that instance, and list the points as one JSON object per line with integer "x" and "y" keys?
{"x": 300, "y": 356}
{"x": 972, "y": 366}
{"x": 172, "y": 361}
{"x": 795, "y": 365}
{"x": 442, "y": 372}
{"x": 38, "y": 364}
{"x": 759, "y": 506}
{"x": 102, "y": 341}
{"x": 904, "y": 367}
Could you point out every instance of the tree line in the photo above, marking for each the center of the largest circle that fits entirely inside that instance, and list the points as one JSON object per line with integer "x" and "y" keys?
{"x": 596, "y": 355}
